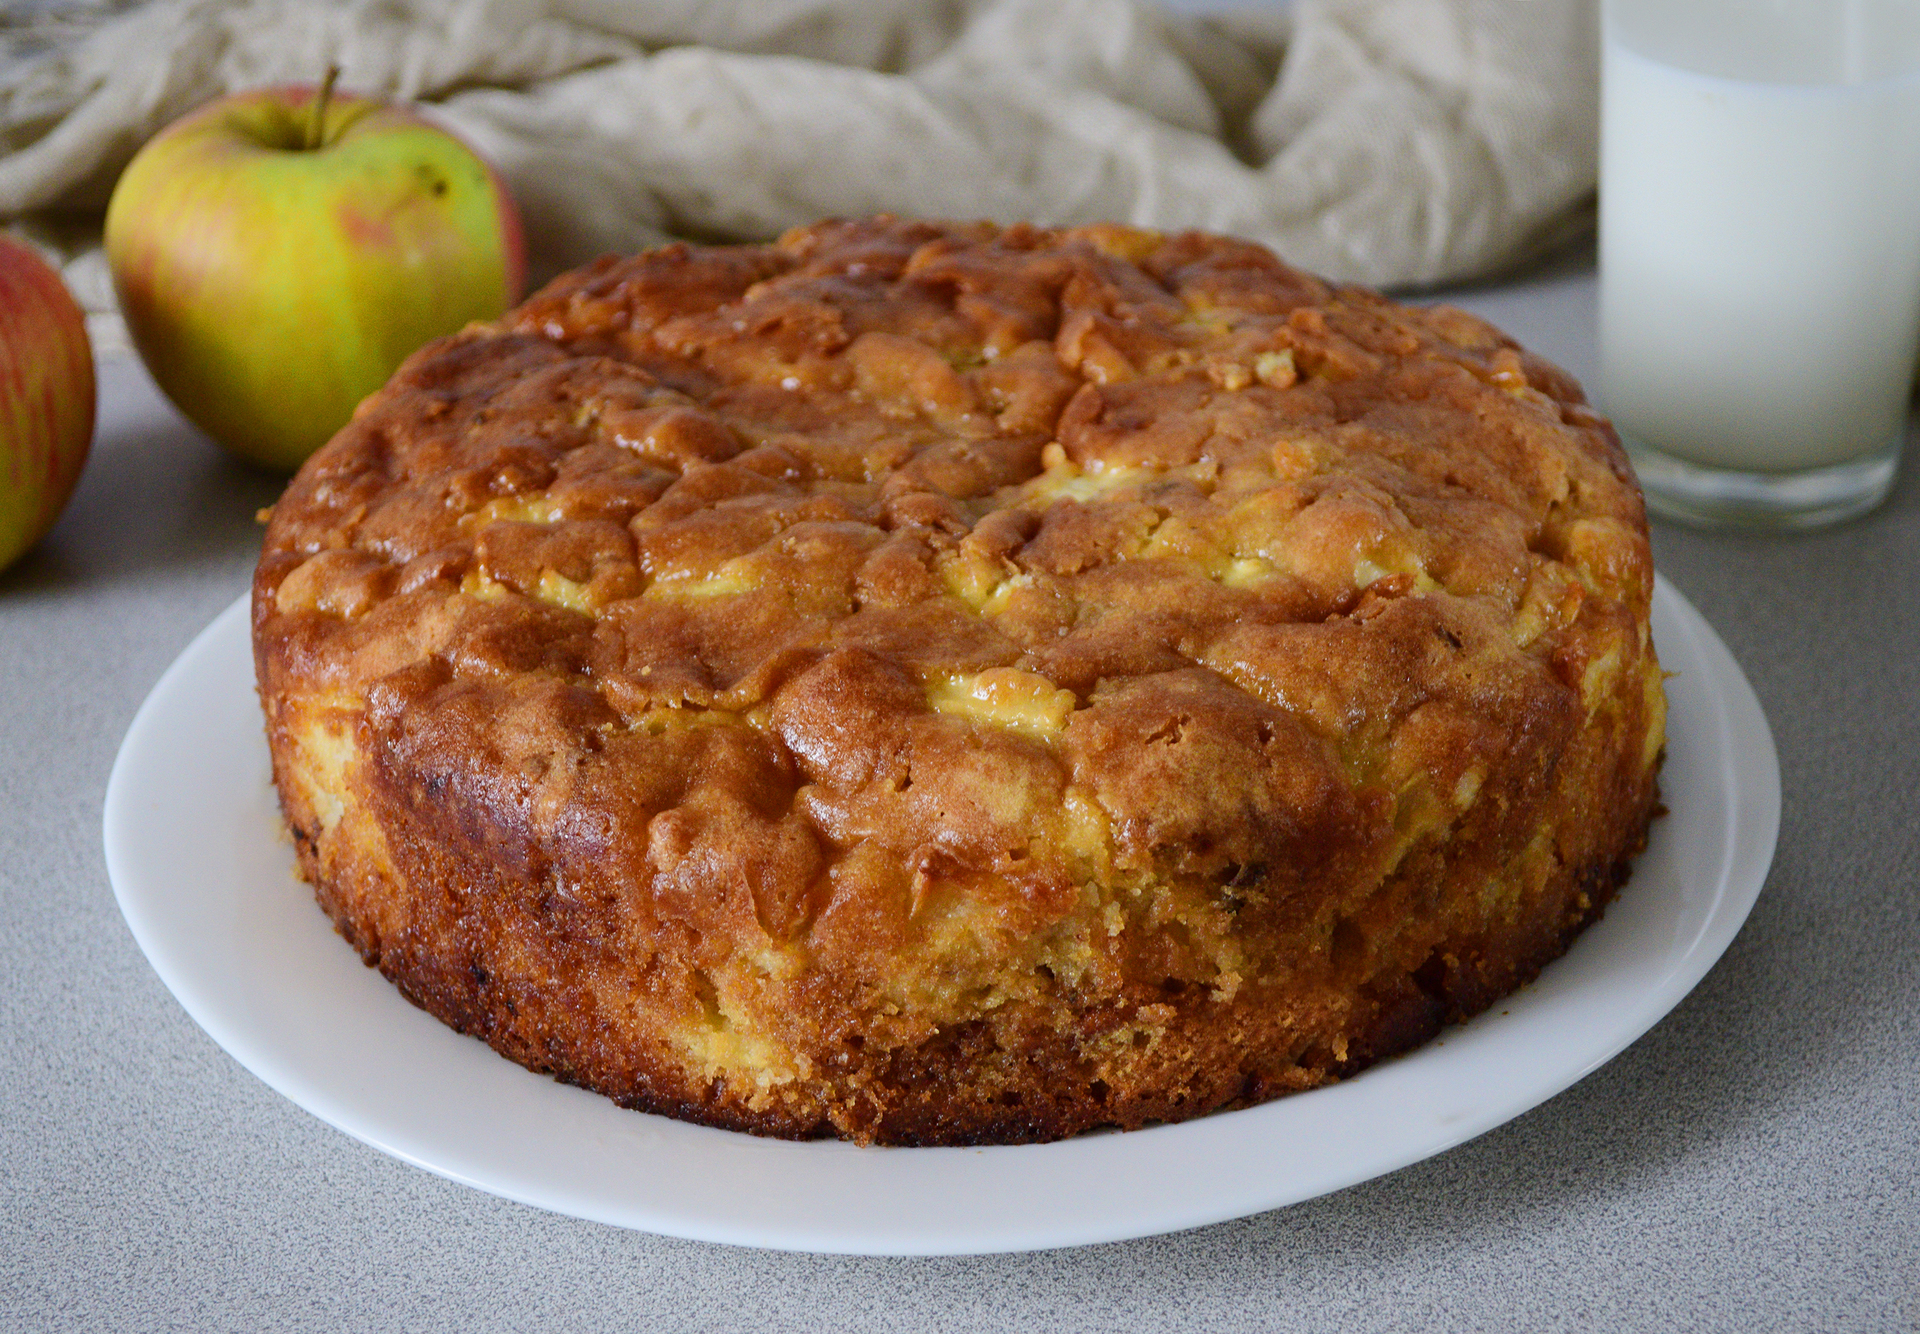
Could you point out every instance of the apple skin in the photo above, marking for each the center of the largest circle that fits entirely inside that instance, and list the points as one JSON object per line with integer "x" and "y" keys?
{"x": 46, "y": 397}
{"x": 269, "y": 286}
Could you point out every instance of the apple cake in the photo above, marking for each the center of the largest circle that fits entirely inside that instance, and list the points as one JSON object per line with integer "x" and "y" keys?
{"x": 948, "y": 684}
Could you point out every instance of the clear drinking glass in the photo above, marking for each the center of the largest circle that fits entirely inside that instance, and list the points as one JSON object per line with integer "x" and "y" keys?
{"x": 1760, "y": 251}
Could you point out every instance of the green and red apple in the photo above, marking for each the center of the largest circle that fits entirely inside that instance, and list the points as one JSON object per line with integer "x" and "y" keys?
{"x": 46, "y": 397}
{"x": 278, "y": 253}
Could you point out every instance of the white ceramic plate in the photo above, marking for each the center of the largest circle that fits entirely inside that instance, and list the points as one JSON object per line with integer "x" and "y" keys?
{"x": 205, "y": 878}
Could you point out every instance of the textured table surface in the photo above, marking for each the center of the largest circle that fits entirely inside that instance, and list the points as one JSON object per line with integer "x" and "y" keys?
{"x": 1752, "y": 1163}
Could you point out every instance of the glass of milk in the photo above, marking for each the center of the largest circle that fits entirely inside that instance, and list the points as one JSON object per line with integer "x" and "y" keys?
{"x": 1760, "y": 251}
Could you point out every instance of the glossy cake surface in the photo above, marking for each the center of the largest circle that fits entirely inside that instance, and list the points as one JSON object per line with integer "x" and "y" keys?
{"x": 947, "y": 684}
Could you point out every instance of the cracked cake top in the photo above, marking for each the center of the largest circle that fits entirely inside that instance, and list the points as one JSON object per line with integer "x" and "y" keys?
{"x": 874, "y": 592}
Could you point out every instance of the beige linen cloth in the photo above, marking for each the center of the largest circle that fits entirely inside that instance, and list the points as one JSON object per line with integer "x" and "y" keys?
{"x": 1392, "y": 142}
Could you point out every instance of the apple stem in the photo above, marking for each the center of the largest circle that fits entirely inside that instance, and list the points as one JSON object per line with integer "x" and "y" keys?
{"x": 317, "y": 113}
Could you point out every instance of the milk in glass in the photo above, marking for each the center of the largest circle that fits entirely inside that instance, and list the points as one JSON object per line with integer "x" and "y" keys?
{"x": 1760, "y": 228}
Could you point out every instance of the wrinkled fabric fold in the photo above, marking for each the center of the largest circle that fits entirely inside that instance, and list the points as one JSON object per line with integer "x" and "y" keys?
{"x": 1391, "y": 142}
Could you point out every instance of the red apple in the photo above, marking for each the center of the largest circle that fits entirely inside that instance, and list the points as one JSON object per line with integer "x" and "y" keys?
{"x": 278, "y": 253}
{"x": 46, "y": 397}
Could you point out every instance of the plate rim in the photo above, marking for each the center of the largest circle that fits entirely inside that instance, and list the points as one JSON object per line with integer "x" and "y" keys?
{"x": 1749, "y": 807}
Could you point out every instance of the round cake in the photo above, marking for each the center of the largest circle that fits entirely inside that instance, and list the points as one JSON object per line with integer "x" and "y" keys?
{"x": 944, "y": 684}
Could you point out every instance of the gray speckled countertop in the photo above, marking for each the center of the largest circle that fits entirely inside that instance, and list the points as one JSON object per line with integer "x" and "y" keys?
{"x": 1751, "y": 1163}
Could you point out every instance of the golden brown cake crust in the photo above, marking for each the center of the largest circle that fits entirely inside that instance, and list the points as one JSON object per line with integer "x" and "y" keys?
{"x": 945, "y": 684}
